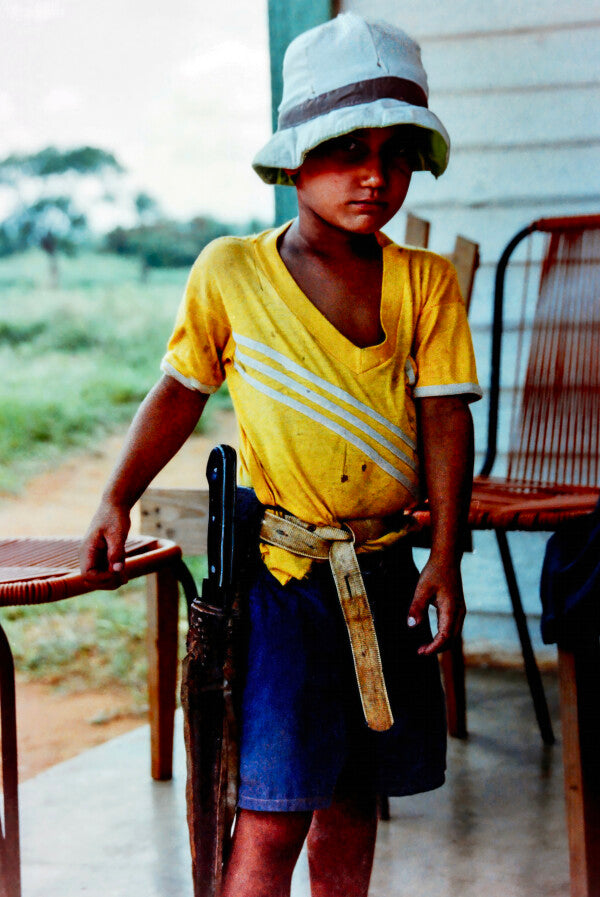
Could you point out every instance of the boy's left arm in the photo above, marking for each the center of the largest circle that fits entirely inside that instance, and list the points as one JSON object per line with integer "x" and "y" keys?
{"x": 447, "y": 440}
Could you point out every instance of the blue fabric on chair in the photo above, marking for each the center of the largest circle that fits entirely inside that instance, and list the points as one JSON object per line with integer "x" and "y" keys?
{"x": 570, "y": 582}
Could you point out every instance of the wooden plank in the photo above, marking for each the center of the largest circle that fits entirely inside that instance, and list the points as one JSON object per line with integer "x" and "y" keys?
{"x": 579, "y": 678}
{"x": 417, "y": 231}
{"x": 177, "y": 514}
{"x": 465, "y": 256}
{"x": 452, "y": 662}
{"x": 465, "y": 259}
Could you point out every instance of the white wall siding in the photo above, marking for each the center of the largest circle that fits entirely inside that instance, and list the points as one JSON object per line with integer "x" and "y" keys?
{"x": 500, "y": 61}
{"x": 523, "y": 118}
{"x": 440, "y": 18}
{"x": 518, "y": 87}
{"x": 517, "y": 84}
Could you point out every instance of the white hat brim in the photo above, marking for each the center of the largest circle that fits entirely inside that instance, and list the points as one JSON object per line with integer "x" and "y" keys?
{"x": 287, "y": 148}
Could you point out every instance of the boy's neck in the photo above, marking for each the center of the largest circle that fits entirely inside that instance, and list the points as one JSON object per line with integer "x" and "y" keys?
{"x": 341, "y": 273}
{"x": 321, "y": 240}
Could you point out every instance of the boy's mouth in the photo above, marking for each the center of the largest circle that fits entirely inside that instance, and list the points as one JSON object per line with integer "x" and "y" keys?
{"x": 368, "y": 203}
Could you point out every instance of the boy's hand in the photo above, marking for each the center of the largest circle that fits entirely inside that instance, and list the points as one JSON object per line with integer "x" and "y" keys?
{"x": 102, "y": 553}
{"x": 447, "y": 439}
{"x": 163, "y": 422}
{"x": 440, "y": 585}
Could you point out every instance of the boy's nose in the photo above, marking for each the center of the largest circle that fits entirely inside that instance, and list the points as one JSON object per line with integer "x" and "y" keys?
{"x": 373, "y": 171}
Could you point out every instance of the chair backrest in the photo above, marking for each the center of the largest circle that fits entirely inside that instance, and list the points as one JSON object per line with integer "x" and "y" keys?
{"x": 464, "y": 257}
{"x": 417, "y": 231}
{"x": 547, "y": 321}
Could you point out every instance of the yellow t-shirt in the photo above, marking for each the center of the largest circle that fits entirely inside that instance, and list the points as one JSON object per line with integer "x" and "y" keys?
{"x": 327, "y": 429}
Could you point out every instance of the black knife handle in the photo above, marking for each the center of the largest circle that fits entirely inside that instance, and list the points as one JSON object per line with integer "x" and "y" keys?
{"x": 221, "y": 476}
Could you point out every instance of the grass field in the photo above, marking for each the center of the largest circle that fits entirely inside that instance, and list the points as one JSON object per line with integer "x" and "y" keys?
{"x": 75, "y": 361}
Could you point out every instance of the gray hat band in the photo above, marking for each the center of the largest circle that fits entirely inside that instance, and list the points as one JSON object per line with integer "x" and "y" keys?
{"x": 353, "y": 95}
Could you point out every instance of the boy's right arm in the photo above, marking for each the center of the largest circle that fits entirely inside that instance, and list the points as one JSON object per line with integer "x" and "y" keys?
{"x": 164, "y": 420}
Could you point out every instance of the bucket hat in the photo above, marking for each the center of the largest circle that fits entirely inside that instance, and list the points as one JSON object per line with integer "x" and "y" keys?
{"x": 346, "y": 74}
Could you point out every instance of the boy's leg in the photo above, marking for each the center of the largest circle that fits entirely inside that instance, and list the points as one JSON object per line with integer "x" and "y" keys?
{"x": 265, "y": 849}
{"x": 341, "y": 845}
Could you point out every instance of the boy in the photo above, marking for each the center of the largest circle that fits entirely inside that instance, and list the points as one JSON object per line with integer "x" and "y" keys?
{"x": 342, "y": 352}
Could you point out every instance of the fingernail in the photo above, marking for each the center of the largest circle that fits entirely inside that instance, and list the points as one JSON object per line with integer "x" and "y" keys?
{"x": 412, "y": 622}
{"x": 117, "y": 567}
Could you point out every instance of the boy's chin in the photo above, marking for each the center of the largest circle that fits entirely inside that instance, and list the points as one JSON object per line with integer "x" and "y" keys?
{"x": 369, "y": 221}
{"x": 364, "y": 225}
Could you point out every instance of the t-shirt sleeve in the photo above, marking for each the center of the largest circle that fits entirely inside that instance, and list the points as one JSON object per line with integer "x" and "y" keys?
{"x": 443, "y": 349}
{"x": 195, "y": 349}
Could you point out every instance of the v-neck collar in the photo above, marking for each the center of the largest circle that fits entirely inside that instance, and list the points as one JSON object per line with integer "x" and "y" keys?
{"x": 324, "y": 332}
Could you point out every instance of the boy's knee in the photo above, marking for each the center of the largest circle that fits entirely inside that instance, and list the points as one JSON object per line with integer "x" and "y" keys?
{"x": 278, "y": 834}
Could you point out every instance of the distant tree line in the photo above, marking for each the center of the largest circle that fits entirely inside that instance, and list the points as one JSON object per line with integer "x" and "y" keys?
{"x": 57, "y": 221}
{"x": 171, "y": 244}
{"x": 83, "y": 160}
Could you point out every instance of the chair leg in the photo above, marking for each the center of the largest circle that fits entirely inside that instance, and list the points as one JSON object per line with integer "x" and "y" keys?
{"x": 453, "y": 671}
{"x": 579, "y": 679}
{"x": 162, "y": 595}
{"x": 383, "y": 807}
{"x": 531, "y": 668}
{"x": 10, "y": 847}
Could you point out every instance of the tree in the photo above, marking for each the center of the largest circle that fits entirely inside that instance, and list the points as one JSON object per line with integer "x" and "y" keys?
{"x": 51, "y": 161}
{"x": 54, "y": 221}
{"x": 166, "y": 243}
{"x": 147, "y": 208}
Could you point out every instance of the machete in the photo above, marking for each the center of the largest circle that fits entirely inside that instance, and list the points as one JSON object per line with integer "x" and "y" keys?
{"x": 206, "y": 690}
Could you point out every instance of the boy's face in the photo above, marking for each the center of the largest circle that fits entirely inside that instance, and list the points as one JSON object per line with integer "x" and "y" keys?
{"x": 356, "y": 182}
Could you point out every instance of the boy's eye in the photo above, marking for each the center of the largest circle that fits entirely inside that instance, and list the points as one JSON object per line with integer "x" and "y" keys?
{"x": 399, "y": 154}
{"x": 351, "y": 149}
{"x": 397, "y": 148}
{"x": 349, "y": 144}
{"x": 343, "y": 144}
{"x": 344, "y": 148}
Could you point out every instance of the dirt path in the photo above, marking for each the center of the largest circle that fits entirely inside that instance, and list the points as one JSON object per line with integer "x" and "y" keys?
{"x": 60, "y": 502}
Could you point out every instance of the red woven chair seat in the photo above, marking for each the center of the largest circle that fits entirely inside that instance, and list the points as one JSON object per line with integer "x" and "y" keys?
{"x": 517, "y": 506}
{"x": 551, "y": 381}
{"x": 37, "y": 571}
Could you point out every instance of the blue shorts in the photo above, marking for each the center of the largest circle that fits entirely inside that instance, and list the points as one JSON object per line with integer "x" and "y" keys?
{"x": 303, "y": 734}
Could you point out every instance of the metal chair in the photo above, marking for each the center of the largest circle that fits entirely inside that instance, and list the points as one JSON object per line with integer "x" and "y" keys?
{"x": 550, "y": 271}
{"x": 39, "y": 571}
{"x": 547, "y": 309}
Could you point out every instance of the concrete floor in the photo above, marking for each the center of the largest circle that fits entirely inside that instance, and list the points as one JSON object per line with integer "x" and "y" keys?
{"x": 98, "y": 826}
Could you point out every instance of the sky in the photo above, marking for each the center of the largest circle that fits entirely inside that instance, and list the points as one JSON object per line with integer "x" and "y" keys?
{"x": 177, "y": 89}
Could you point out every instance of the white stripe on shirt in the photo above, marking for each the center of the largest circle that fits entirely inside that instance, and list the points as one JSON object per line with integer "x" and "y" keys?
{"x": 350, "y": 437}
{"x": 324, "y": 403}
{"x": 323, "y": 384}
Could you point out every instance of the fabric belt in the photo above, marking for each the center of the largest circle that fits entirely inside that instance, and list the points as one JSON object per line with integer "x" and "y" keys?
{"x": 336, "y": 544}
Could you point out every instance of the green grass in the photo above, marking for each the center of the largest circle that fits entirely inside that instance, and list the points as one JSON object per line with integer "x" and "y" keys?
{"x": 76, "y": 361}
{"x": 74, "y": 364}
